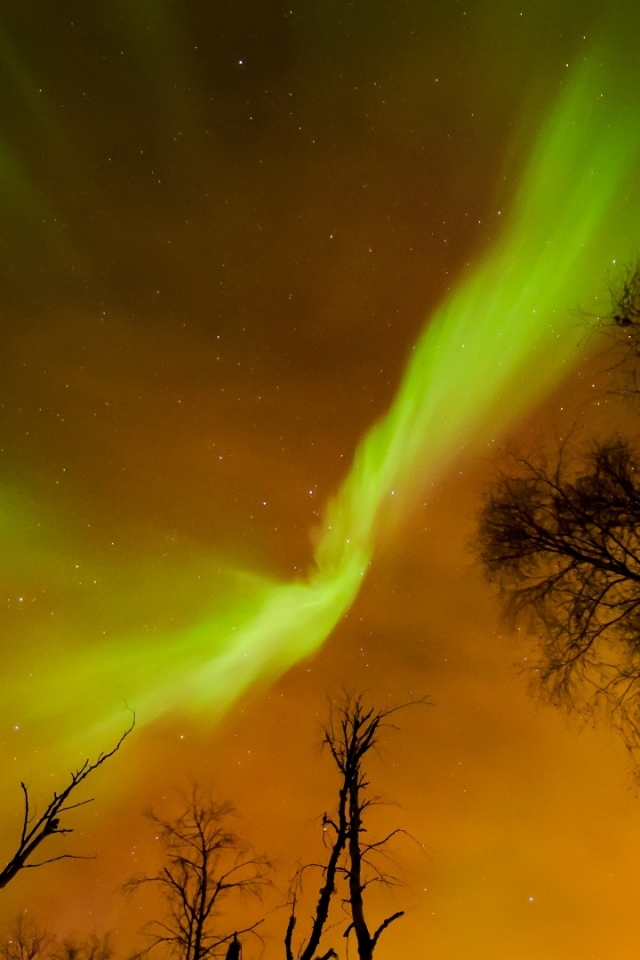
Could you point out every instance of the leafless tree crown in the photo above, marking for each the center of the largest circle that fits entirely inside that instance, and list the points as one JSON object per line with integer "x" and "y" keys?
{"x": 206, "y": 864}
{"x": 90, "y": 948}
{"x": 26, "y": 940}
{"x": 564, "y": 545}
{"x": 29, "y": 940}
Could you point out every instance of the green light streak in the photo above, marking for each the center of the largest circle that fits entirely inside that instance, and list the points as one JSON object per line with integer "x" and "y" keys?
{"x": 504, "y": 336}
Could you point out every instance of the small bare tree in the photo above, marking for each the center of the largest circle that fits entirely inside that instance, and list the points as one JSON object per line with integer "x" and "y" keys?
{"x": 352, "y": 732}
{"x": 206, "y": 865}
{"x": 27, "y": 940}
{"x": 92, "y": 947}
{"x": 37, "y": 829}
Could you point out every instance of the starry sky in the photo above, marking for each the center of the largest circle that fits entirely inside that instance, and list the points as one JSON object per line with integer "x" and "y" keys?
{"x": 226, "y": 228}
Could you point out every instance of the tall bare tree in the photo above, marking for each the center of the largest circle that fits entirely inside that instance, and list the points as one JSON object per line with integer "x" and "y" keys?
{"x": 206, "y": 866}
{"x": 36, "y": 830}
{"x": 353, "y": 862}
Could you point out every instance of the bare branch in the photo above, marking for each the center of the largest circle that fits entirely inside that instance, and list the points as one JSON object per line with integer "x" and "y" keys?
{"x": 62, "y": 856}
{"x": 385, "y": 923}
{"x": 33, "y": 833}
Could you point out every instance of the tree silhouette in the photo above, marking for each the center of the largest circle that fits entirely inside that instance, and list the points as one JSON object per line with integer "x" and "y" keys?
{"x": 564, "y": 544}
{"x": 350, "y": 735}
{"x": 92, "y": 947}
{"x": 625, "y": 300}
{"x": 27, "y": 940}
{"x": 36, "y": 830}
{"x": 206, "y": 865}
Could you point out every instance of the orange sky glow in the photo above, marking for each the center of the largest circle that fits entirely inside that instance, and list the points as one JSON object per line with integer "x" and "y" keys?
{"x": 225, "y": 226}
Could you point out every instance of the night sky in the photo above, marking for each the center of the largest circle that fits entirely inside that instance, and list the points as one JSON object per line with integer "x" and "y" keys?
{"x": 224, "y": 228}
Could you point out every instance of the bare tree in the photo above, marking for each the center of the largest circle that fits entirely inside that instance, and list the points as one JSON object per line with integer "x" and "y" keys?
{"x": 206, "y": 865}
{"x": 564, "y": 546}
{"x": 562, "y": 539}
{"x": 92, "y": 947}
{"x": 27, "y": 940}
{"x": 352, "y": 732}
{"x": 37, "y": 829}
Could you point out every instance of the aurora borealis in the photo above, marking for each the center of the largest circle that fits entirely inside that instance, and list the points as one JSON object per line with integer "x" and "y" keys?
{"x": 279, "y": 281}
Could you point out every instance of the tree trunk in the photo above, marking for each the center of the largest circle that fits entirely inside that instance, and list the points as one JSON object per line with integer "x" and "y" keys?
{"x": 363, "y": 937}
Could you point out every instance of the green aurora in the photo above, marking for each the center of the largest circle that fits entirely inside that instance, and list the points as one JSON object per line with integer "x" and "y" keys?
{"x": 505, "y": 335}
